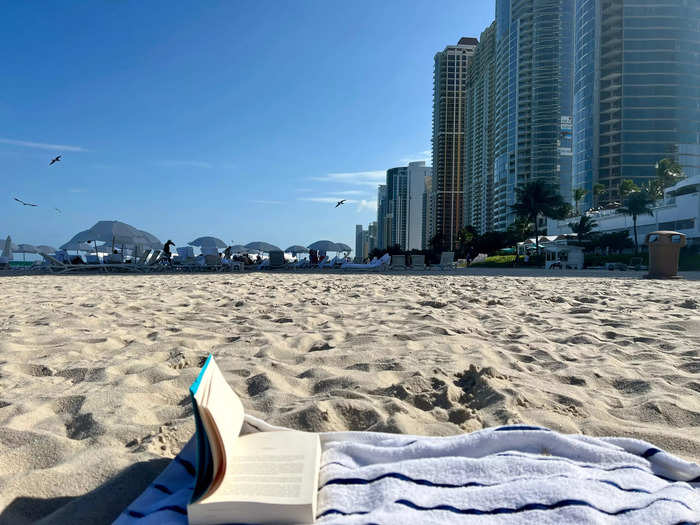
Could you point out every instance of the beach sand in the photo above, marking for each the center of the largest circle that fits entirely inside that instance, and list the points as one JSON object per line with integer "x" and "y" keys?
{"x": 94, "y": 370}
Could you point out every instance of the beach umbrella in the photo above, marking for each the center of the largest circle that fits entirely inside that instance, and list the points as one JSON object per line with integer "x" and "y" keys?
{"x": 208, "y": 242}
{"x": 323, "y": 246}
{"x": 297, "y": 248}
{"x": 261, "y": 246}
{"x": 77, "y": 246}
{"x": 7, "y": 248}
{"x": 343, "y": 247}
{"x": 117, "y": 233}
{"x": 2, "y": 244}
{"x": 43, "y": 248}
{"x": 238, "y": 248}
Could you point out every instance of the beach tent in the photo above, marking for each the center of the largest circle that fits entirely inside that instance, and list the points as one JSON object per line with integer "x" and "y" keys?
{"x": 208, "y": 242}
{"x": 262, "y": 246}
{"x": 24, "y": 249}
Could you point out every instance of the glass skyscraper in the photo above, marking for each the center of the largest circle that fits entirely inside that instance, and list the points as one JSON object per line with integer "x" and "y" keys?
{"x": 479, "y": 142}
{"x": 642, "y": 58}
{"x": 534, "y": 99}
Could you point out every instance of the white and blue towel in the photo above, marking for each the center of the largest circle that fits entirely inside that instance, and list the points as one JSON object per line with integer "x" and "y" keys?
{"x": 511, "y": 474}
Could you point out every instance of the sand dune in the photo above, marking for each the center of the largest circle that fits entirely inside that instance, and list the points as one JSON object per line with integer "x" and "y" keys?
{"x": 94, "y": 370}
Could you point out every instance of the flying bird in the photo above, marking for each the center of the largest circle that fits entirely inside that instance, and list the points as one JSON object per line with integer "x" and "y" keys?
{"x": 59, "y": 211}
{"x": 340, "y": 202}
{"x": 57, "y": 159}
{"x": 25, "y": 203}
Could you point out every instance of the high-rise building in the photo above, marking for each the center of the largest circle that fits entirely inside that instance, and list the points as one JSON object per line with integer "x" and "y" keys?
{"x": 372, "y": 228}
{"x": 479, "y": 142}
{"x": 383, "y": 221}
{"x": 534, "y": 99}
{"x": 405, "y": 186}
{"x": 428, "y": 219}
{"x": 358, "y": 240}
{"x": 449, "y": 102}
{"x": 637, "y": 91}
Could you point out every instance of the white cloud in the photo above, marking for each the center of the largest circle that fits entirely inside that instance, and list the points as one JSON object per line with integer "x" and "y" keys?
{"x": 41, "y": 145}
{"x": 357, "y": 178}
{"x": 367, "y": 205}
{"x": 425, "y": 155}
{"x": 262, "y": 201}
{"x": 333, "y": 200}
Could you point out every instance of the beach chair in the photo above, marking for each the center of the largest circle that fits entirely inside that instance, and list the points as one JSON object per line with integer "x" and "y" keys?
{"x": 398, "y": 262}
{"x": 376, "y": 265}
{"x": 213, "y": 262}
{"x": 92, "y": 259}
{"x": 55, "y": 266}
{"x": 418, "y": 262}
{"x": 447, "y": 261}
{"x": 276, "y": 261}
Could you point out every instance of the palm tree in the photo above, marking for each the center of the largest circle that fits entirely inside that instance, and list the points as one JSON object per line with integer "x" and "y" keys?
{"x": 579, "y": 193}
{"x": 637, "y": 203}
{"x": 626, "y": 187}
{"x": 598, "y": 190}
{"x": 539, "y": 197}
{"x": 584, "y": 227}
{"x": 668, "y": 173}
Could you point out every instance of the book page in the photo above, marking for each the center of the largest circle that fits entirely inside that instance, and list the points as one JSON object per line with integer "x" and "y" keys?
{"x": 272, "y": 467}
{"x": 222, "y": 416}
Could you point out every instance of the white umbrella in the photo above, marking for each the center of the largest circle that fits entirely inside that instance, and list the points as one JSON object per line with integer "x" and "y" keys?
{"x": 14, "y": 246}
{"x": 115, "y": 232}
{"x": 7, "y": 249}
{"x": 208, "y": 242}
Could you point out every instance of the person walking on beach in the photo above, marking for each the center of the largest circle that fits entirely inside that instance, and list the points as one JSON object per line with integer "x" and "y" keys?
{"x": 167, "y": 255}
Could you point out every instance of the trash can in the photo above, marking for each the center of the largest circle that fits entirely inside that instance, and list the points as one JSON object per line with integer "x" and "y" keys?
{"x": 664, "y": 250}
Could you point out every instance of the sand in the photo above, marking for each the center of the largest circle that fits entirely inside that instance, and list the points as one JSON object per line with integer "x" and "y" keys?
{"x": 94, "y": 370}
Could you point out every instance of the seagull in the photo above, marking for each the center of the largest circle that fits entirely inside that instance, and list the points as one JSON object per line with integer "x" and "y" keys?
{"x": 57, "y": 159}
{"x": 340, "y": 202}
{"x": 59, "y": 211}
{"x": 25, "y": 203}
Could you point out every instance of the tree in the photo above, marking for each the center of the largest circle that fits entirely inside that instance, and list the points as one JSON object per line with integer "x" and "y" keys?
{"x": 579, "y": 193}
{"x": 583, "y": 228}
{"x": 465, "y": 238}
{"x": 626, "y": 187}
{"x": 537, "y": 198}
{"x": 489, "y": 242}
{"x": 615, "y": 241}
{"x": 668, "y": 173}
{"x": 519, "y": 230}
{"x": 598, "y": 190}
{"x": 637, "y": 203}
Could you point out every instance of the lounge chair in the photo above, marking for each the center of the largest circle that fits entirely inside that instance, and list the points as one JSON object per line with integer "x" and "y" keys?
{"x": 276, "y": 261}
{"x": 213, "y": 262}
{"x": 398, "y": 262}
{"x": 55, "y": 266}
{"x": 418, "y": 262}
{"x": 375, "y": 265}
{"x": 447, "y": 261}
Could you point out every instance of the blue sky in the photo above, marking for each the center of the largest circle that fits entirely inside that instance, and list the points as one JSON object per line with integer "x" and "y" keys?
{"x": 243, "y": 120}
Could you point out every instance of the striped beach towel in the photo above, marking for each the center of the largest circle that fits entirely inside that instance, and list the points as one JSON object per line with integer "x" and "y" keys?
{"x": 510, "y": 474}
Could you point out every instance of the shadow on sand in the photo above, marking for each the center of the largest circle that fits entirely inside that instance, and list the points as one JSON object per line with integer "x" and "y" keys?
{"x": 101, "y": 505}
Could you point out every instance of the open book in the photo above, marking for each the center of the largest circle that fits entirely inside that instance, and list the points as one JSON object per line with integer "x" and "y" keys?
{"x": 266, "y": 477}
